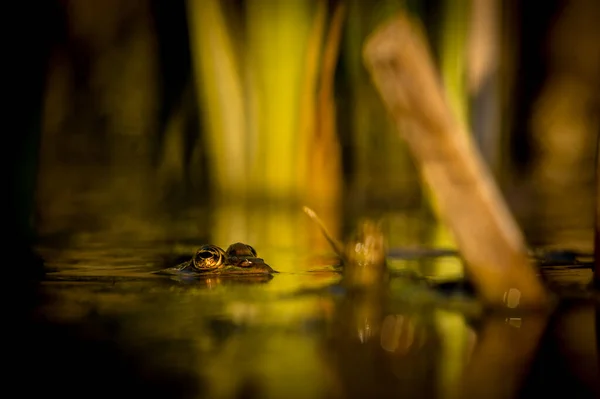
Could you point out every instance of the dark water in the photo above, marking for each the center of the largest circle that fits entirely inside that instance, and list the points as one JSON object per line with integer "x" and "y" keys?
{"x": 104, "y": 325}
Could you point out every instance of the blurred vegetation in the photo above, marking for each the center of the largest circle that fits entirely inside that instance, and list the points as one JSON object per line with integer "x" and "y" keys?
{"x": 153, "y": 110}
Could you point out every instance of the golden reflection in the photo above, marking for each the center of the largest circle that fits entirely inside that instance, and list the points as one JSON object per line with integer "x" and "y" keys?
{"x": 362, "y": 334}
{"x": 501, "y": 358}
{"x": 268, "y": 355}
{"x": 400, "y": 334}
{"x": 211, "y": 282}
{"x": 366, "y": 316}
{"x": 354, "y": 339}
{"x": 454, "y": 338}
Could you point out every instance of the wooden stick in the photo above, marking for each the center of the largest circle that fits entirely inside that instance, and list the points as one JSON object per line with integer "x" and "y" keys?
{"x": 488, "y": 237}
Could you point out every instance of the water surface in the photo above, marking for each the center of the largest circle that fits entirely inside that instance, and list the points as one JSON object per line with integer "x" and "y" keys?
{"x": 105, "y": 325}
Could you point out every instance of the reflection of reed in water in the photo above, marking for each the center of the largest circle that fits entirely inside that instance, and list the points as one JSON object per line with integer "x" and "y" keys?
{"x": 374, "y": 351}
{"x": 361, "y": 334}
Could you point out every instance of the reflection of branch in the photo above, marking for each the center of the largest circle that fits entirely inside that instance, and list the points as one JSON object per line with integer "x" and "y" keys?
{"x": 501, "y": 358}
{"x": 399, "y": 334}
{"x": 490, "y": 241}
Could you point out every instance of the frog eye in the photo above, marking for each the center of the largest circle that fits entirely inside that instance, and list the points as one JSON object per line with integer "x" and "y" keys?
{"x": 241, "y": 250}
{"x": 209, "y": 257}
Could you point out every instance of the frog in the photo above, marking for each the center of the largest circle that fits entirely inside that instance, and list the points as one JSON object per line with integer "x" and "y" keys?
{"x": 238, "y": 259}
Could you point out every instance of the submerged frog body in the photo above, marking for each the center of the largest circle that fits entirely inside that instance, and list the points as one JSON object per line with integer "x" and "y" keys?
{"x": 211, "y": 260}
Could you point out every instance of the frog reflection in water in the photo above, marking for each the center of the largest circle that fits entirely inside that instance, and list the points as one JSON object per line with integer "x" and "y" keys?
{"x": 211, "y": 260}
